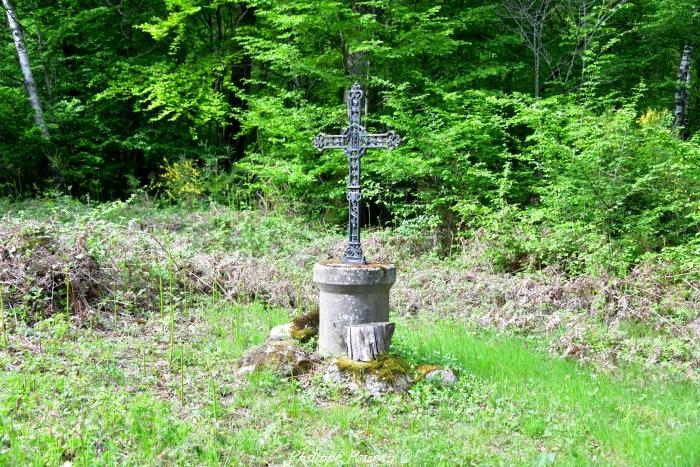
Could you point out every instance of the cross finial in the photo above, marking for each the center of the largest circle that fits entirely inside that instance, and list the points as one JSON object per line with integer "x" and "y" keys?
{"x": 355, "y": 141}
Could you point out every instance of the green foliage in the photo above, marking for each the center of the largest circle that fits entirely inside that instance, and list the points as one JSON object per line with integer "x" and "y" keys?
{"x": 610, "y": 186}
{"x": 588, "y": 177}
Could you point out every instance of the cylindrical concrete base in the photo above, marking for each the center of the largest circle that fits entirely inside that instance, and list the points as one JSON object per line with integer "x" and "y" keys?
{"x": 350, "y": 294}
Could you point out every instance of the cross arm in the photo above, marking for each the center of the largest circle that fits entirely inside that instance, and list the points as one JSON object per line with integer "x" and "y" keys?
{"x": 324, "y": 141}
{"x": 389, "y": 140}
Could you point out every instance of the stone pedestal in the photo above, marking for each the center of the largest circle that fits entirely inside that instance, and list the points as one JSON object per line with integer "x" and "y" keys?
{"x": 350, "y": 294}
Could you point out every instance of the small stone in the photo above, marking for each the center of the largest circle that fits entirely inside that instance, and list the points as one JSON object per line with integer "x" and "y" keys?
{"x": 245, "y": 370}
{"x": 377, "y": 387}
{"x": 443, "y": 376}
{"x": 281, "y": 332}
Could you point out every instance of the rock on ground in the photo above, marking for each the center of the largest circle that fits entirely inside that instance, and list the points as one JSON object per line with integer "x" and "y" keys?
{"x": 444, "y": 376}
{"x": 281, "y": 332}
{"x": 371, "y": 383}
{"x": 286, "y": 358}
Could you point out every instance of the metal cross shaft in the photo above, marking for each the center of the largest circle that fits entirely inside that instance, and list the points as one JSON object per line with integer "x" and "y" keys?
{"x": 355, "y": 141}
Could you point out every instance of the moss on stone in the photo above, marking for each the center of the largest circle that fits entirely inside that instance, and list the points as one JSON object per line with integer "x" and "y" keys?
{"x": 305, "y": 327}
{"x": 423, "y": 370}
{"x": 304, "y": 334}
{"x": 386, "y": 367}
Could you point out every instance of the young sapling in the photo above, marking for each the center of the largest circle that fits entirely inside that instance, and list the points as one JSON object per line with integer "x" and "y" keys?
{"x": 2, "y": 320}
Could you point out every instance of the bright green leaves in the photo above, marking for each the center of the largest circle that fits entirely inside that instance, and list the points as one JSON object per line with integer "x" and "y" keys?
{"x": 283, "y": 126}
{"x": 624, "y": 178}
{"x": 194, "y": 83}
{"x": 174, "y": 24}
{"x": 171, "y": 93}
{"x": 309, "y": 49}
{"x": 431, "y": 33}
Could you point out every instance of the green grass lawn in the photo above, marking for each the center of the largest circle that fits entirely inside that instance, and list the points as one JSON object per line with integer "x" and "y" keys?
{"x": 131, "y": 396}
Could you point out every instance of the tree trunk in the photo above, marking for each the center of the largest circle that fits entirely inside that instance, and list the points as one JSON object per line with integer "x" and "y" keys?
{"x": 682, "y": 99}
{"x": 23, "y": 56}
{"x": 42, "y": 63}
{"x": 537, "y": 74}
{"x": 240, "y": 74}
{"x": 530, "y": 18}
{"x": 368, "y": 341}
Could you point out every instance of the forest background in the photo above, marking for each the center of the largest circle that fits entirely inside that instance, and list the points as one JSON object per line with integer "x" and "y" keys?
{"x": 559, "y": 133}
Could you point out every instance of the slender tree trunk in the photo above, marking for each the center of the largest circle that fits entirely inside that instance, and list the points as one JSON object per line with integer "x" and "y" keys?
{"x": 240, "y": 73}
{"x": 530, "y": 18}
{"x": 45, "y": 70}
{"x": 536, "y": 53}
{"x": 42, "y": 63}
{"x": 682, "y": 99}
{"x": 23, "y": 56}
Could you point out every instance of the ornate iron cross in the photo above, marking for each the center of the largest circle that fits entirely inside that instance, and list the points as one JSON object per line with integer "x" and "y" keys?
{"x": 355, "y": 141}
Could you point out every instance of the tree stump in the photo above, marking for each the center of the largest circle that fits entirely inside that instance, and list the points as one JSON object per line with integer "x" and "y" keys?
{"x": 366, "y": 342}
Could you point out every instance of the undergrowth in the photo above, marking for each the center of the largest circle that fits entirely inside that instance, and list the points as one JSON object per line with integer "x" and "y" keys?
{"x": 105, "y": 262}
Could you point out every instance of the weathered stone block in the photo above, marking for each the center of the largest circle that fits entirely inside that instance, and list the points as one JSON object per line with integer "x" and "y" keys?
{"x": 350, "y": 294}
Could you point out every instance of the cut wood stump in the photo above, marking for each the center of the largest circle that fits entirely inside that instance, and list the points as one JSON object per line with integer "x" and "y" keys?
{"x": 367, "y": 341}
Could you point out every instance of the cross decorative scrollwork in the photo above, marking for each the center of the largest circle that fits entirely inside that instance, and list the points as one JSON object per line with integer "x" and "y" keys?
{"x": 355, "y": 141}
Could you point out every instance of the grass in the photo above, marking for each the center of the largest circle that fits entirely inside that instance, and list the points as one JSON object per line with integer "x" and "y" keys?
{"x": 114, "y": 397}
{"x": 152, "y": 383}
{"x": 572, "y": 410}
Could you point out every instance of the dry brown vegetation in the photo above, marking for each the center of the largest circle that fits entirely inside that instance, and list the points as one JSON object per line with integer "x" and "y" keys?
{"x": 133, "y": 267}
